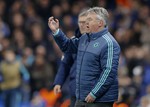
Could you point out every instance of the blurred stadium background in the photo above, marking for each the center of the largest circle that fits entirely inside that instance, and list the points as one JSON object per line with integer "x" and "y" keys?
{"x": 24, "y": 31}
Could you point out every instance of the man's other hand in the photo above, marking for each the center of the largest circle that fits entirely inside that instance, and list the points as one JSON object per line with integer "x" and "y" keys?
{"x": 57, "y": 89}
{"x": 53, "y": 24}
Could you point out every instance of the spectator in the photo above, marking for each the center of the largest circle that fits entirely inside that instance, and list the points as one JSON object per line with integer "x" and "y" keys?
{"x": 41, "y": 72}
{"x": 11, "y": 71}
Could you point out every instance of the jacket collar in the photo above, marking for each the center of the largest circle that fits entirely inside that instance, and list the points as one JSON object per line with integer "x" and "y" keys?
{"x": 96, "y": 35}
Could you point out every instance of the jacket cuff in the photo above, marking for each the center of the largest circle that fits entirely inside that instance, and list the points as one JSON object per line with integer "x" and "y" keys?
{"x": 56, "y": 33}
{"x": 57, "y": 83}
{"x": 92, "y": 95}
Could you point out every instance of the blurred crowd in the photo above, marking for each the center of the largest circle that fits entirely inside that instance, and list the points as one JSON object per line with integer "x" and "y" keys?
{"x": 27, "y": 48}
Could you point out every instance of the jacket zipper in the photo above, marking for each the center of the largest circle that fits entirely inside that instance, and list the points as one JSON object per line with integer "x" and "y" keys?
{"x": 81, "y": 64}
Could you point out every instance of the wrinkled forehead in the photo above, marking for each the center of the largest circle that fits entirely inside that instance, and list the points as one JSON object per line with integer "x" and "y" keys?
{"x": 91, "y": 15}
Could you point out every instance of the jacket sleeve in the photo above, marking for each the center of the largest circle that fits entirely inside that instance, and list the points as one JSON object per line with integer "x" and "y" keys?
{"x": 66, "y": 44}
{"x": 64, "y": 69}
{"x": 109, "y": 59}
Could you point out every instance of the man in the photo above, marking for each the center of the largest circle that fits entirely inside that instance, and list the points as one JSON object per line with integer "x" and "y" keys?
{"x": 68, "y": 64}
{"x": 97, "y": 60}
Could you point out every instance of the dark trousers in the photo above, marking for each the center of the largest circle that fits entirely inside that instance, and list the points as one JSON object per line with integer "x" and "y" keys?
{"x": 96, "y": 104}
{"x": 11, "y": 98}
{"x": 73, "y": 101}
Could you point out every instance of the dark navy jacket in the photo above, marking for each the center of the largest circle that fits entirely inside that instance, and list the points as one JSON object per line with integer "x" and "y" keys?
{"x": 97, "y": 64}
{"x": 66, "y": 69}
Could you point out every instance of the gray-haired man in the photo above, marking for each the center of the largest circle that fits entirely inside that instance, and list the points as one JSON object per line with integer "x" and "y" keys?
{"x": 97, "y": 60}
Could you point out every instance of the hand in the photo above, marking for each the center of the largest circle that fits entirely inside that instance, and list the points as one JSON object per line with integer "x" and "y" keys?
{"x": 53, "y": 24}
{"x": 57, "y": 89}
{"x": 89, "y": 99}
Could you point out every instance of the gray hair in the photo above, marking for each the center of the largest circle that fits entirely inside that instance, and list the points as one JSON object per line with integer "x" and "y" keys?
{"x": 101, "y": 12}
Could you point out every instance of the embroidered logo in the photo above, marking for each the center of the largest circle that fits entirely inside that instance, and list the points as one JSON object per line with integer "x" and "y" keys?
{"x": 96, "y": 44}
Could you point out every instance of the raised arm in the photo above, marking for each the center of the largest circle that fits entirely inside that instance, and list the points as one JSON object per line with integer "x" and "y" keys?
{"x": 64, "y": 43}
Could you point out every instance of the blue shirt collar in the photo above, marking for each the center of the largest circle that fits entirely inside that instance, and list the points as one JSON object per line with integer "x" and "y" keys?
{"x": 98, "y": 34}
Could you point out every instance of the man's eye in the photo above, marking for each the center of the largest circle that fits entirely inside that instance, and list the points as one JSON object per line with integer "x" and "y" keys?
{"x": 83, "y": 22}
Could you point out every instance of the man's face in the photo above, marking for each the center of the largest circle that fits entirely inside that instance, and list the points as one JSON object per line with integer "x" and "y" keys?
{"x": 9, "y": 56}
{"x": 93, "y": 23}
{"x": 82, "y": 24}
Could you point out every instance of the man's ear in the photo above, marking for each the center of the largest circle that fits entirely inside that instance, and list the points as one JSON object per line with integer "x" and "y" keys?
{"x": 101, "y": 23}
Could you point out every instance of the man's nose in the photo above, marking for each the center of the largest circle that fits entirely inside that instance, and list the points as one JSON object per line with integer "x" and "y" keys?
{"x": 87, "y": 25}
